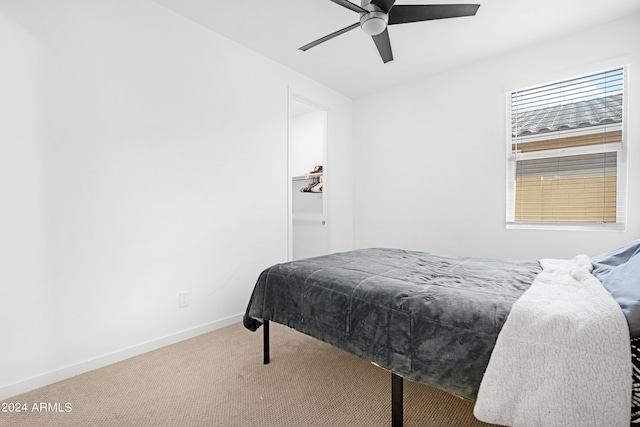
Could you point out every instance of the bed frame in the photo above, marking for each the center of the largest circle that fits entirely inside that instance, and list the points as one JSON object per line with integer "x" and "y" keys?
{"x": 397, "y": 393}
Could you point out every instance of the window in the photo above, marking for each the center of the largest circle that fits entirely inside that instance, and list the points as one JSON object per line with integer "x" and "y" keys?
{"x": 566, "y": 154}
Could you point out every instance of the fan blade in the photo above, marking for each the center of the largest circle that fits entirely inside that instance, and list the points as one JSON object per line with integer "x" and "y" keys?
{"x": 349, "y": 5}
{"x": 384, "y": 45}
{"x": 403, "y": 14}
{"x": 330, "y": 36}
{"x": 385, "y": 5}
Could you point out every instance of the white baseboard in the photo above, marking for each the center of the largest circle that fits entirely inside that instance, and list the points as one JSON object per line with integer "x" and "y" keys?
{"x": 111, "y": 358}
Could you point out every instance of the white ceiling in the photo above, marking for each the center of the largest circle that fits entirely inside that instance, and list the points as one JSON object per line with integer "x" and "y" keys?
{"x": 350, "y": 62}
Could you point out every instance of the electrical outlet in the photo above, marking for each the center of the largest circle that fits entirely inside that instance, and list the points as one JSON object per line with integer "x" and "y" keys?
{"x": 184, "y": 299}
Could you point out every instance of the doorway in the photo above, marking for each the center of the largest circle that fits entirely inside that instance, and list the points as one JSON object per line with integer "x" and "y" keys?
{"x": 308, "y": 225}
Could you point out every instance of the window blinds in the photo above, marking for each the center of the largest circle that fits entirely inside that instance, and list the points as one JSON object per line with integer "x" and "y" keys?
{"x": 566, "y": 140}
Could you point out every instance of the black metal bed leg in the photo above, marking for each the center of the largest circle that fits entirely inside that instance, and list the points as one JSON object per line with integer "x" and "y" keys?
{"x": 265, "y": 338}
{"x": 396, "y": 400}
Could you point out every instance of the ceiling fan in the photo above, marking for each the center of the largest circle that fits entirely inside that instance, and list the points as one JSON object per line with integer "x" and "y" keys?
{"x": 375, "y": 15}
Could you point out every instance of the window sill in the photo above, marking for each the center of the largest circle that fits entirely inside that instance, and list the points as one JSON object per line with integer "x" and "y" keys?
{"x": 558, "y": 226}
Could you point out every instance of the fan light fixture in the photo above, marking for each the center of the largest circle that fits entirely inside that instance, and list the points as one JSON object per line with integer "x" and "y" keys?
{"x": 373, "y": 25}
{"x": 374, "y": 22}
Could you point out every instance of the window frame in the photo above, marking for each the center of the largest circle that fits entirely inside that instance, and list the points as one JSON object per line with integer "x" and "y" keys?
{"x": 620, "y": 148}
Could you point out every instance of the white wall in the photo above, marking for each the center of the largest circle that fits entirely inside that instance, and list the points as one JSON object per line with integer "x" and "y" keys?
{"x": 411, "y": 170}
{"x": 141, "y": 155}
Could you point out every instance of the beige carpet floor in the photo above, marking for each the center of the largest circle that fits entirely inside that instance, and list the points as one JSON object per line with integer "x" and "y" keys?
{"x": 218, "y": 379}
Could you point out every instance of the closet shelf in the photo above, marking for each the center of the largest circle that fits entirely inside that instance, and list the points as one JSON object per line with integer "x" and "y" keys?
{"x": 306, "y": 176}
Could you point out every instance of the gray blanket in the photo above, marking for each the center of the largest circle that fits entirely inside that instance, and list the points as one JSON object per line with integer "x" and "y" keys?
{"x": 429, "y": 318}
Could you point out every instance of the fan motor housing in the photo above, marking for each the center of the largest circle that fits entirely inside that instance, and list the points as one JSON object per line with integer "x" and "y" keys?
{"x": 375, "y": 21}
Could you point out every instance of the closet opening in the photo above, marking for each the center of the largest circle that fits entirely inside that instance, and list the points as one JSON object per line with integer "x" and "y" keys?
{"x": 308, "y": 224}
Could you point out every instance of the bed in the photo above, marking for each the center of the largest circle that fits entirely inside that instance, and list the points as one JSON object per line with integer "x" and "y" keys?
{"x": 430, "y": 318}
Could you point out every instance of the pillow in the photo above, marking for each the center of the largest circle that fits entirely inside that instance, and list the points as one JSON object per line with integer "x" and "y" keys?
{"x": 619, "y": 272}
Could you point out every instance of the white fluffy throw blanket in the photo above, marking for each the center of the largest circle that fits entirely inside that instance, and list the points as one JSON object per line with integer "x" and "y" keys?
{"x": 562, "y": 357}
